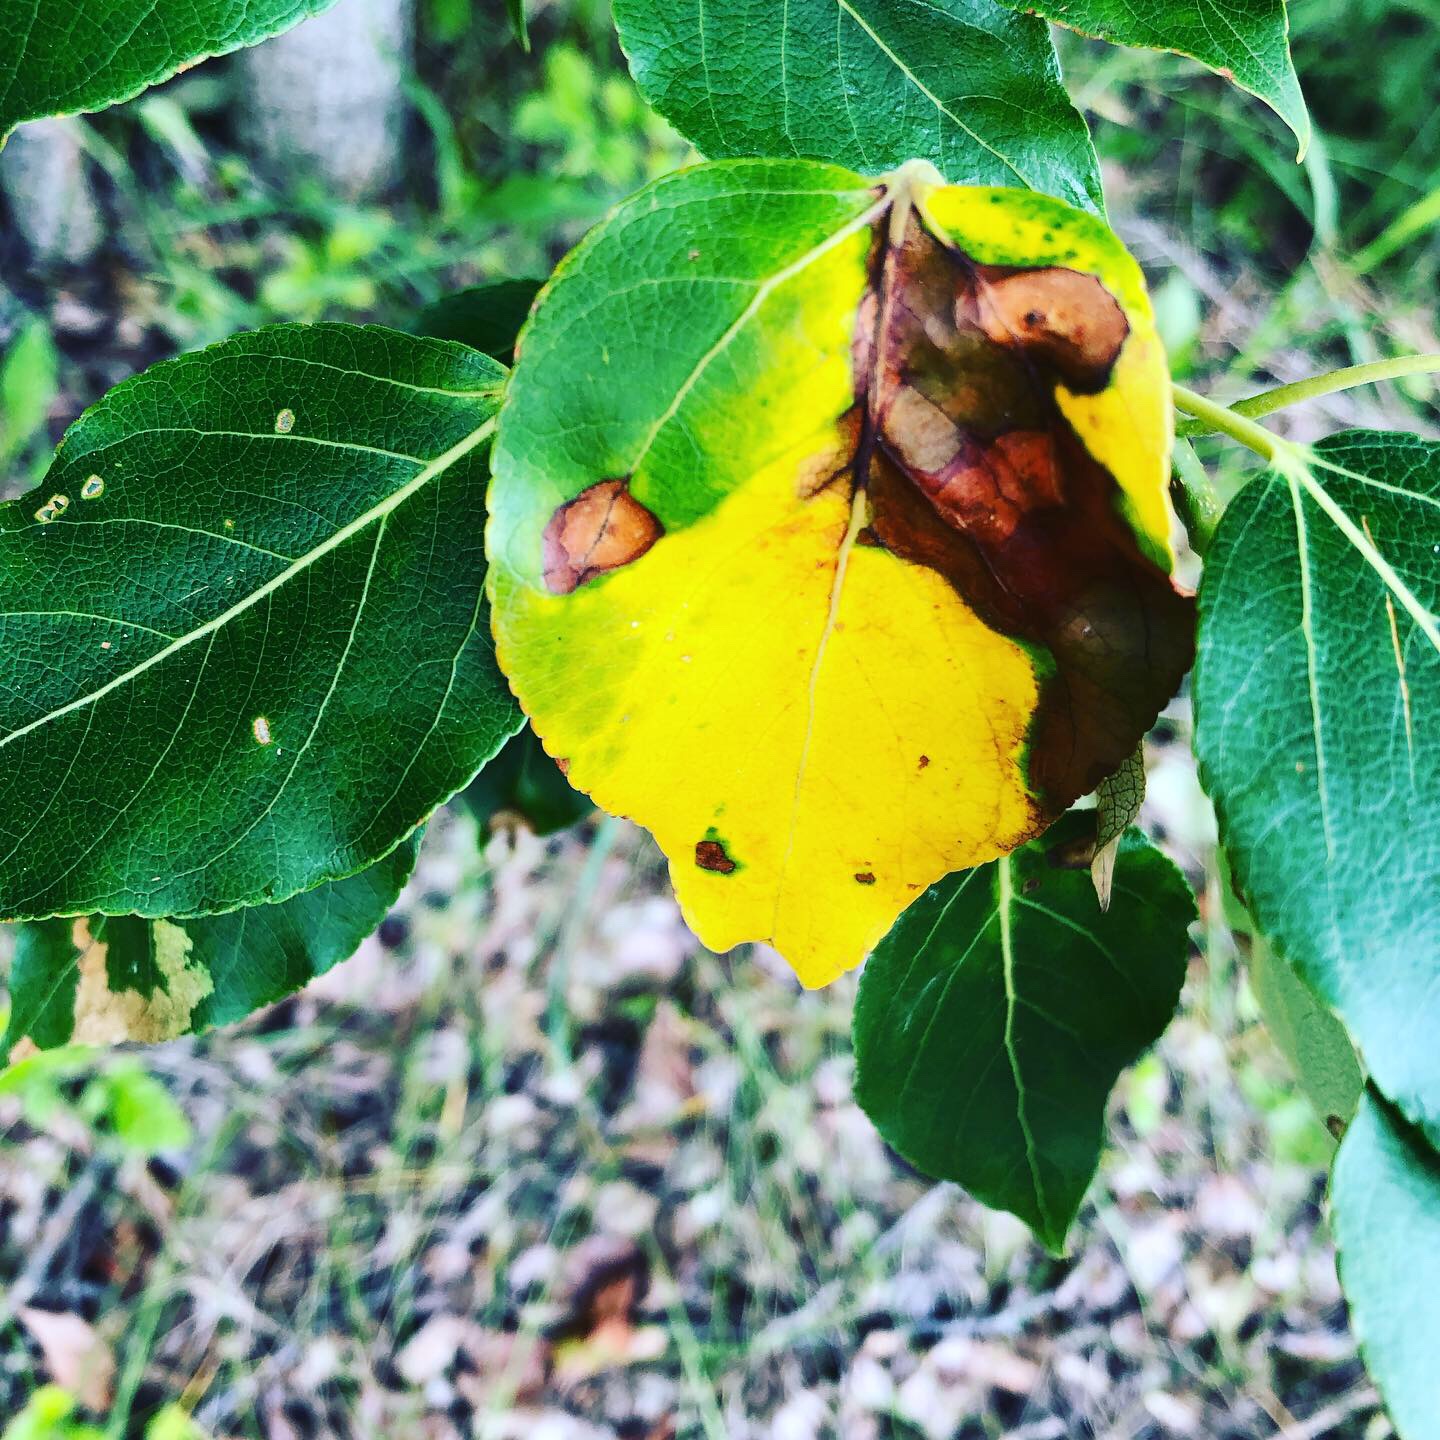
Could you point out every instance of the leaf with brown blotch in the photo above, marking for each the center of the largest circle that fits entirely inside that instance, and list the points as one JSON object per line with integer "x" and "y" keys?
{"x": 863, "y": 574}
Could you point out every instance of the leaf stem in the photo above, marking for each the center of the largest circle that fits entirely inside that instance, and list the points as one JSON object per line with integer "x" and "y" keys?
{"x": 1228, "y": 422}
{"x": 1268, "y": 401}
{"x": 1196, "y": 500}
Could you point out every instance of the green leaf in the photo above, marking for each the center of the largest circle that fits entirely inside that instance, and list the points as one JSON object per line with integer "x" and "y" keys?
{"x": 58, "y": 57}
{"x": 138, "y": 1109}
{"x": 1308, "y": 1035}
{"x": 1118, "y": 800}
{"x": 99, "y": 980}
{"x": 1317, "y": 696}
{"x": 485, "y": 317}
{"x": 42, "y": 987}
{"x": 245, "y": 646}
{"x": 523, "y": 780}
{"x": 29, "y": 382}
{"x": 47, "y": 1416}
{"x": 868, "y": 84}
{"x": 1246, "y": 41}
{"x": 994, "y": 1018}
{"x": 1385, "y": 1212}
{"x": 519, "y": 22}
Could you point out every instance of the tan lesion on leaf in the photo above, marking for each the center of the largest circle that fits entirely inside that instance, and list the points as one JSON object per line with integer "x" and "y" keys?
{"x": 601, "y": 529}
{"x": 1065, "y": 317}
{"x": 107, "y": 1017}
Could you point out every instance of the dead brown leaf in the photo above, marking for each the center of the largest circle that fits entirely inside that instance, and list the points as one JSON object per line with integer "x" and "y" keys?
{"x": 76, "y": 1357}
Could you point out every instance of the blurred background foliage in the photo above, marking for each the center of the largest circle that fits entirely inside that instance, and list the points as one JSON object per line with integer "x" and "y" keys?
{"x": 534, "y": 1164}
{"x": 1263, "y": 268}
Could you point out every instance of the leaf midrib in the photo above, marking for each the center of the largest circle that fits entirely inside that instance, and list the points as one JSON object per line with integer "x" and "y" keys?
{"x": 346, "y": 532}
{"x": 941, "y": 108}
{"x": 763, "y": 291}
{"x": 1005, "y": 904}
{"x": 1368, "y": 552}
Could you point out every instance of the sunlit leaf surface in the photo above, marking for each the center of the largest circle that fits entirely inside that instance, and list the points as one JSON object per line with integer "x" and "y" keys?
{"x": 829, "y": 535}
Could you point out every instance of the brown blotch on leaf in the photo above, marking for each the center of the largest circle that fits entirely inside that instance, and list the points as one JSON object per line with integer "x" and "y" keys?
{"x": 924, "y": 761}
{"x": 972, "y": 469}
{"x": 712, "y": 855}
{"x": 601, "y": 529}
{"x": 1065, "y": 317}
{"x": 864, "y": 878}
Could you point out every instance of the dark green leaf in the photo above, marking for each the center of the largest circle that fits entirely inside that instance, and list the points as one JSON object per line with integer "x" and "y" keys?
{"x": 58, "y": 57}
{"x": 485, "y": 317}
{"x": 245, "y": 647}
{"x": 1317, "y": 696}
{"x": 1247, "y": 41}
{"x": 519, "y": 23}
{"x": 868, "y": 84}
{"x": 42, "y": 987}
{"x": 1385, "y": 1203}
{"x": 523, "y": 780}
{"x": 1308, "y": 1035}
{"x": 104, "y": 979}
{"x": 994, "y": 1018}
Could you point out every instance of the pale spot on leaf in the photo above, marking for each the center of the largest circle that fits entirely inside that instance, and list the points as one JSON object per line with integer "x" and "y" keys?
{"x": 104, "y": 1017}
{"x": 284, "y": 422}
{"x": 93, "y": 488}
{"x": 261, "y": 727}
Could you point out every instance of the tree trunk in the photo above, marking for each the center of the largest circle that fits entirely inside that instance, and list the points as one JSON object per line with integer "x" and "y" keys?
{"x": 324, "y": 99}
{"x": 52, "y": 202}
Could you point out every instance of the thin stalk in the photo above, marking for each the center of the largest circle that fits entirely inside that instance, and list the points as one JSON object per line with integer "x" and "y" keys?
{"x": 1196, "y": 500}
{"x": 1268, "y": 401}
{"x": 1416, "y": 220}
{"x": 1347, "y": 379}
{"x": 1227, "y": 422}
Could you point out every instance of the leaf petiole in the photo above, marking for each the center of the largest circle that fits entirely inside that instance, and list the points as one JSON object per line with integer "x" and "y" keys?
{"x": 1228, "y": 422}
{"x": 1333, "y": 381}
{"x": 1197, "y": 501}
{"x": 1199, "y": 505}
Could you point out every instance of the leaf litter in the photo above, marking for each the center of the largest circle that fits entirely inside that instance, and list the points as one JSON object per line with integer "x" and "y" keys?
{"x": 534, "y": 1164}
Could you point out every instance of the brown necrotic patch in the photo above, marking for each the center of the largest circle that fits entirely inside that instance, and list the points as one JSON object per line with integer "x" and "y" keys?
{"x": 971, "y": 468}
{"x": 712, "y": 855}
{"x": 601, "y": 529}
{"x": 1064, "y": 318}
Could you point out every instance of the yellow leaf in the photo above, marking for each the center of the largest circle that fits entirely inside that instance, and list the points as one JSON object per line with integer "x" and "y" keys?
{"x": 829, "y": 535}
